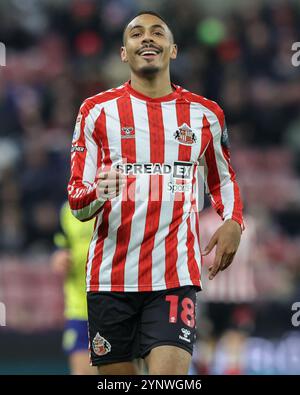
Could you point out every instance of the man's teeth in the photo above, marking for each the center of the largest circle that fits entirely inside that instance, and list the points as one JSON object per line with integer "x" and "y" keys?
{"x": 149, "y": 53}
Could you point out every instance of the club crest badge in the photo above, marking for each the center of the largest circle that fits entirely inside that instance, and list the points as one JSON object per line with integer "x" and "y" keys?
{"x": 184, "y": 135}
{"x": 100, "y": 345}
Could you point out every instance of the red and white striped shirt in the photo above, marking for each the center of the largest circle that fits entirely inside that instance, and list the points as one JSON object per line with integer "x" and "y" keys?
{"x": 149, "y": 243}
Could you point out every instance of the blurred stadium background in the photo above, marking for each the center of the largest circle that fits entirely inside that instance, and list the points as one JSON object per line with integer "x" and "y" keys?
{"x": 235, "y": 52}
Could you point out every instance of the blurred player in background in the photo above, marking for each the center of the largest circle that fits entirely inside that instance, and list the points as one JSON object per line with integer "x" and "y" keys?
{"x": 134, "y": 161}
{"x": 69, "y": 261}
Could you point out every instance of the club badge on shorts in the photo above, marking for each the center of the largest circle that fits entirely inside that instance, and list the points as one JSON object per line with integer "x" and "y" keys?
{"x": 100, "y": 345}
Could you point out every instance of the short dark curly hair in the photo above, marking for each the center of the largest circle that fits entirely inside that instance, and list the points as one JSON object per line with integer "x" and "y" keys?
{"x": 147, "y": 13}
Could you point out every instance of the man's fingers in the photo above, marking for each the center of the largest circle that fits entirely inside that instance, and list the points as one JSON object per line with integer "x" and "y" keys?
{"x": 211, "y": 244}
{"x": 213, "y": 270}
{"x": 109, "y": 191}
{"x": 228, "y": 261}
{"x": 111, "y": 182}
{"x": 110, "y": 186}
{"x": 224, "y": 260}
{"x": 104, "y": 190}
{"x": 103, "y": 175}
{"x": 221, "y": 262}
{"x": 111, "y": 175}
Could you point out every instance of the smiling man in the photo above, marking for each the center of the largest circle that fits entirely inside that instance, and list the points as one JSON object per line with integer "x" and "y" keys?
{"x": 144, "y": 262}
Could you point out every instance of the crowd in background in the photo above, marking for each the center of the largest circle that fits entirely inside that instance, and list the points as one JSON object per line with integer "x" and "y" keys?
{"x": 60, "y": 52}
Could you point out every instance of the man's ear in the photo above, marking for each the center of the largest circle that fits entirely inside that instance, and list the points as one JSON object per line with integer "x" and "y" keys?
{"x": 174, "y": 50}
{"x": 123, "y": 54}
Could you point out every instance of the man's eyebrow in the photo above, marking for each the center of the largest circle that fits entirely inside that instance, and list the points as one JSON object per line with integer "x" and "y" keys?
{"x": 152, "y": 26}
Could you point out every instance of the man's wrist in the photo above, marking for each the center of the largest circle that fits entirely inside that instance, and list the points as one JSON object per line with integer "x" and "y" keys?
{"x": 234, "y": 220}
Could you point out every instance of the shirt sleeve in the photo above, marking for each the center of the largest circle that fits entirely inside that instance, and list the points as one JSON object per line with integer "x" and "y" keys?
{"x": 85, "y": 160}
{"x": 220, "y": 178}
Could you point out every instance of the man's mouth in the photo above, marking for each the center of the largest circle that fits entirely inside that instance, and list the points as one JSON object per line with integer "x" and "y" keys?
{"x": 149, "y": 53}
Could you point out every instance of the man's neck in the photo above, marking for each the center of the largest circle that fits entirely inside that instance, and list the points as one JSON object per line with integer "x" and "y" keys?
{"x": 157, "y": 87}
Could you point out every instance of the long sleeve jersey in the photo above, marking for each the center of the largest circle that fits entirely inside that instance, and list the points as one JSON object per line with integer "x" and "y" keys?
{"x": 147, "y": 238}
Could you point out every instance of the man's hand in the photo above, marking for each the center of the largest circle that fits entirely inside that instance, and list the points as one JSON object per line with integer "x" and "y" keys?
{"x": 110, "y": 183}
{"x": 61, "y": 262}
{"x": 227, "y": 238}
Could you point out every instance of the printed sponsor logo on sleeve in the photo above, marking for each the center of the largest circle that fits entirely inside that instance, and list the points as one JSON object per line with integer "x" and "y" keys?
{"x": 76, "y": 133}
{"x": 77, "y": 148}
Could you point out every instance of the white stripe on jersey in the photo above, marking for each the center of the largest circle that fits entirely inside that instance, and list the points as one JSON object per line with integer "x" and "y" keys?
{"x": 142, "y": 147}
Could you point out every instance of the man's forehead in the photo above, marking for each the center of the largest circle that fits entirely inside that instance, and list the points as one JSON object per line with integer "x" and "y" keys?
{"x": 146, "y": 21}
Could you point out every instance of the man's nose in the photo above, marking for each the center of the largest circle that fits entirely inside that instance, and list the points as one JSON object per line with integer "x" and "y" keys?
{"x": 147, "y": 38}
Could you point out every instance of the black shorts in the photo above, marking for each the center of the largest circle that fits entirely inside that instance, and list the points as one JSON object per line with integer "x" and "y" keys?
{"x": 127, "y": 325}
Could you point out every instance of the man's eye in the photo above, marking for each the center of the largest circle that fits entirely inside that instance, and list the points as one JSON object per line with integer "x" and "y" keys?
{"x": 158, "y": 33}
{"x": 135, "y": 34}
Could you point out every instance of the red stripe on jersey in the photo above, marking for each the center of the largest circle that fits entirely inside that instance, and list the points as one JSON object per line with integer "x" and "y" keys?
{"x": 128, "y": 205}
{"x": 157, "y": 146}
{"x": 97, "y": 139}
{"x": 103, "y": 228}
{"x": 213, "y": 178}
{"x": 192, "y": 263}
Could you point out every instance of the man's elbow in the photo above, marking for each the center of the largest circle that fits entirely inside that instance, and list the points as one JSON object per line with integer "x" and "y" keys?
{"x": 89, "y": 212}
{"x": 78, "y": 214}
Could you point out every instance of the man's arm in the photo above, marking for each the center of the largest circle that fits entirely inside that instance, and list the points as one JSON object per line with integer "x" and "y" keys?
{"x": 90, "y": 184}
{"x": 82, "y": 186}
{"x": 225, "y": 196}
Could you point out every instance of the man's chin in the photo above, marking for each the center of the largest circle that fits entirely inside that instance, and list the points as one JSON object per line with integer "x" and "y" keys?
{"x": 149, "y": 70}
